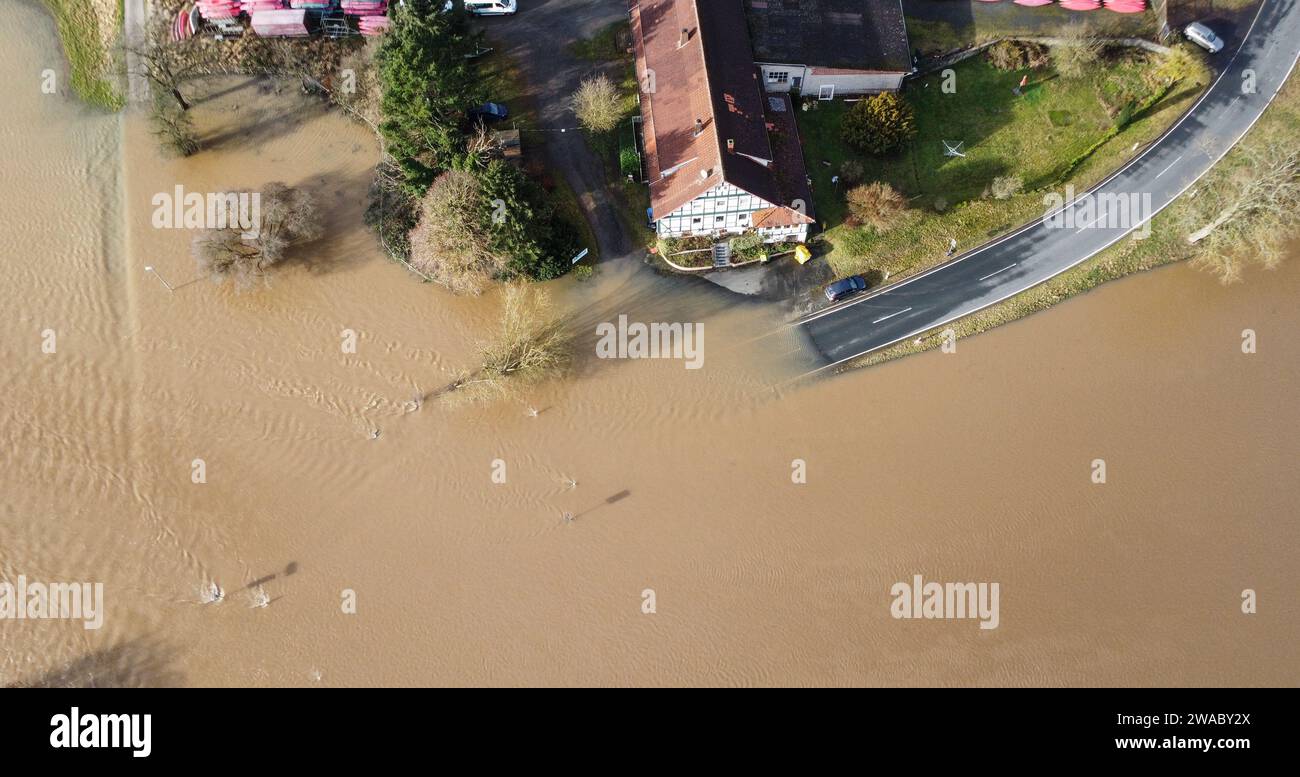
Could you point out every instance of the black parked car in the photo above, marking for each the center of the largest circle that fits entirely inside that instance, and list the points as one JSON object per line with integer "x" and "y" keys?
{"x": 845, "y": 288}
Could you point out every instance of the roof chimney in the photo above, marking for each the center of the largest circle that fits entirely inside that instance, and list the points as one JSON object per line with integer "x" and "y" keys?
{"x": 699, "y": 127}
{"x": 731, "y": 144}
{"x": 686, "y": 38}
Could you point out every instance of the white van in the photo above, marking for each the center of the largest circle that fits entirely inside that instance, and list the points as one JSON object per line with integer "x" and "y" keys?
{"x": 490, "y": 7}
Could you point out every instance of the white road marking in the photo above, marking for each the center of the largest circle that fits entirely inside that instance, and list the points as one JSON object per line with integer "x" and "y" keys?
{"x": 1167, "y": 169}
{"x": 1090, "y": 223}
{"x": 891, "y": 315}
{"x": 1004, "y": 269}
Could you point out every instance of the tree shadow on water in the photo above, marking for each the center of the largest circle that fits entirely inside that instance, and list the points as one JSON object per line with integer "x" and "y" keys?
{"x": 274, "y": 109}
{"x": 290, "y": 569}
{"x": 609, "y": 500}
{"x": 143, "y": 662}
{"x": 345, "y": 241}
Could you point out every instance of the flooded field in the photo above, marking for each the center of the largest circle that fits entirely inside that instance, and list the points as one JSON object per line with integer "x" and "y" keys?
{"x": 326, "y": 482}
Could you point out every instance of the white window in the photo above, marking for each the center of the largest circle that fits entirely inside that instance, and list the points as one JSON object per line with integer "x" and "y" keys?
{"x": 778, "y": 76}
{"x": 826, "y": 92}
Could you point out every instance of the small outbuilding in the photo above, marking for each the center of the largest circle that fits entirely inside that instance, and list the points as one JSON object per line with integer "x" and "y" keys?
{"x": 508, "y": 141}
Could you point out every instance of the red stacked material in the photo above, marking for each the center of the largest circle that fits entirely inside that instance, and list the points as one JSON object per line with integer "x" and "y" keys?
{"x": 1126, "y": 6}
{"x": 1034, "y": 3}
{"x": 364, "y": 7}
{"x": 218, "y": 9}
{"x": 373, "y": 25}
{"x": 1081, "y": 5}
{"x": 252, "y": 6}
{"x": 282, "y": 23}
{"x": 182, "y": 27}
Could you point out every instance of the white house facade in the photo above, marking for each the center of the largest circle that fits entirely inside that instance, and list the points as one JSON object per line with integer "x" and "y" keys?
{"x": 827, "y": 83}
{"x": 830, "y": 48}
{"x": 727, "y": 209}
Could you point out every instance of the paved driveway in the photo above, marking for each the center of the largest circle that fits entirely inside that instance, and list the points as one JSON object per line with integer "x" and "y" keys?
{"x": 538, "y": 38}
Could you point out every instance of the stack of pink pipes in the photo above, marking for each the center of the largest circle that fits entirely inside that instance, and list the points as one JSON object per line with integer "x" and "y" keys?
{"x": 1118, "y": 6}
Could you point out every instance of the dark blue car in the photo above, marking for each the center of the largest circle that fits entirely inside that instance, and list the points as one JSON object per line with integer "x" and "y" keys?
{"x": 845, "y": 288}
{"x": 491, "y": 112}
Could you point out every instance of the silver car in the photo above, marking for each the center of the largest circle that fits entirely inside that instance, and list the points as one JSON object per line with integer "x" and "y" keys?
{"x": 1204, "y": 37}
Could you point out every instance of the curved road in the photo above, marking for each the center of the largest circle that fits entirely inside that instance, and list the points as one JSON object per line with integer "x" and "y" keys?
{"x": 1041, "y": 250}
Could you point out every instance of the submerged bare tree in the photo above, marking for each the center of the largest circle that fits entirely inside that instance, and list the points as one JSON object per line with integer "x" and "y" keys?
{"x": 531, "y": 341}
{"x": 173, "y": 127}
{"x": 1248, "y": 215}
{"x": 531, "y": 344}
{"x": 285, "y": 217}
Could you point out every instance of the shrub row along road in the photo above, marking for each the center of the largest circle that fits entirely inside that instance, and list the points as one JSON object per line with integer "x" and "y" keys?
{"x": 1043, "y": 249}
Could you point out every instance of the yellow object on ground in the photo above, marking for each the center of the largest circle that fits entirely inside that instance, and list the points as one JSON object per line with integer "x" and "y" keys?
{"x": 802, "y": 254}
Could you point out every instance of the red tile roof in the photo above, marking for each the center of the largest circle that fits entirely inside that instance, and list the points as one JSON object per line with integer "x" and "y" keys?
{"x": 704, "y": 105}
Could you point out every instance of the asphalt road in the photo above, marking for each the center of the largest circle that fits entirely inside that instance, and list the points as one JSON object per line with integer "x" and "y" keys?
{"x": 1041, "y": 250}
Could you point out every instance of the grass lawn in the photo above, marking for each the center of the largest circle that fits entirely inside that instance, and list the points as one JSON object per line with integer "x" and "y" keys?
{"x": 86, "y": 46}
{"x": 604, "y": 46}
{"x": 1038, "y": 137}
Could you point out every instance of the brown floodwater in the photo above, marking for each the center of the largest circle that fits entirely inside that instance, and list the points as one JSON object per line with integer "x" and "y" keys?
{"x": 324, "y": 477}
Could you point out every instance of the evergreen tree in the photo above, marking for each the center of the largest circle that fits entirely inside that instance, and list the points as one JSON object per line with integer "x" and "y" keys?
{"x": 429, "y": 83}
{"x": 881, "y": 124}
{"x": 524, "y": 225}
